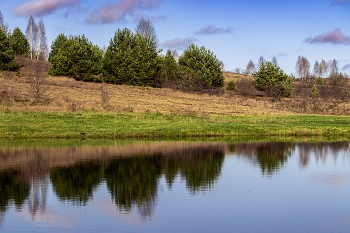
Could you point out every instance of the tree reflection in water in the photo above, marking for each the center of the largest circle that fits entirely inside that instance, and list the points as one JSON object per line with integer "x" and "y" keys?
{"x": 271, "y": 157}
{"x": 76, "y": 183}
{"x": 133, "y": 180}
{"x": 12, "y": 189}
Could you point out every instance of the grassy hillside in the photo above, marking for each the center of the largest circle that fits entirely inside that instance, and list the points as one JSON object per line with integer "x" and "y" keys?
{"x": 57, "y": 94}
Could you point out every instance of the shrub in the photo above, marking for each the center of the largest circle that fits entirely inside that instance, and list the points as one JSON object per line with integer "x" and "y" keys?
{"x": 319, "y": 80}
{"x": 204, "y": 64}
{"x": 231, "y": 86}
{"x": 273, "y": 81}
{"x": 314, "y": 92}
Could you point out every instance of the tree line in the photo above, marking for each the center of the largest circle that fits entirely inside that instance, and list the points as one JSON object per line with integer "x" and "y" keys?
{"x": 33, "y": 44}
{"x": 134, "y": 58}
{"x": 131, "y": 58}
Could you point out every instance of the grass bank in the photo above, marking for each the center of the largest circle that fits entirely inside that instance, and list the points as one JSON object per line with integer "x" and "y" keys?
{"x": 27, "y": 124}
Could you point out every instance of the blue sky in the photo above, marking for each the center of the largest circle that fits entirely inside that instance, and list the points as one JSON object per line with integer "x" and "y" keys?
{"x": 235, "y": 30}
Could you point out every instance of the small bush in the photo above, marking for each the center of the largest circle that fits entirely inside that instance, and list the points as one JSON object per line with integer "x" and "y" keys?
{"x": 231, "y": 86}
{"x": 314, "y": 92}
{"x": 319, "y": 80}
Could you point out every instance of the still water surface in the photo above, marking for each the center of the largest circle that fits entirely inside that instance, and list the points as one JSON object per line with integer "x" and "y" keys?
{"x": 176, "y": 187}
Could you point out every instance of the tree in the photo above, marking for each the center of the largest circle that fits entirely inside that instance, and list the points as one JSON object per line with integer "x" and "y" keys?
{"x": 77, "y": 58}
{"x": 18, "y": 43}
{"x": 175, "y": 54}
{"x": 316, "y": 69}
{"x": 3, "y": 24}
{"x": 261, "y": 60}
{"x": 303, "y": 68}
{"x": 130, "y": 59}
{"x": 250, "y": 68}
{"x": 274, "y": 61}
{"x": 334, "y": 68}
{"x": 273, "y": 80}
{"x": 203, "y": 64}
{"x": 323, "y": 68}
{"x": 146, "y": 29}
{"x": 169, "y": 71}
{"x": 7, "y": 61}
{"x": 32, "y": 36}
{"x": 56, "y": 45}
{"x": 42, "y": 49}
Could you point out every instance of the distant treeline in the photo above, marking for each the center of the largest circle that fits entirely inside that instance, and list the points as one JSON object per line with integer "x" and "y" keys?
{"x": 131, "y": 58}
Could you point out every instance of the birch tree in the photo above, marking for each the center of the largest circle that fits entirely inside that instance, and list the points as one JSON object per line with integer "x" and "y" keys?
{"x": 274, "y": 61}
{"x": 323, "y": 68}
{"x": 261, "y": 61}
{"x": 316, "y": 70}
{"x": 250, "y": 68}
{"x": 32, "y": 36}
{"x": 303, "y": 68}
{"x": 3, "y": 24}
{"x": 42, "y": 49}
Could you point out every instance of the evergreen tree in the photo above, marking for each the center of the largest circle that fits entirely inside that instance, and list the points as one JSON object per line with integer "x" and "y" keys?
{"x": 273, "y": 80}
{"x": 130, "y": 59}
{"x": 56, "y": 44}
{"x": 7, "y": 61}
{"x": 18, "y": 43}
{"x": 204, "y": 64}
{"x": 77, "y": 58}
{"x": 168, "y": 73}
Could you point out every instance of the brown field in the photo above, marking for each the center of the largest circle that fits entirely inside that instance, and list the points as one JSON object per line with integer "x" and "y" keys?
{"x": 66, "y": 94}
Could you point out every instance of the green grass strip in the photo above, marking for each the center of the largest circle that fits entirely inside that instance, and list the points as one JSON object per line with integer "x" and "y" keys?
{"x": 22, "y": 125}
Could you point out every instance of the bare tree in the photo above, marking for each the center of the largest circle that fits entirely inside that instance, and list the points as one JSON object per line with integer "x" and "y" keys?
{"x": 175, "y": 54}
{"x": 222, "y": 66}
{"x": 3, "y": 24}
{"x": 274, "y": 61}
{"x": 37, "y": 77}
{"x": 303, "y": 68}
{"x": 261, "y": 60}
{"x": 334, "y": 68}
{"x": 323, "y": 68}
{"x": 250, "y": 68}
{"x": 316, "y": 69}
{"x": 32, "y": 36}
{"x": 42, "y": 51}
{"x": 145, "y": 28}
{"x": 237, "y": 70}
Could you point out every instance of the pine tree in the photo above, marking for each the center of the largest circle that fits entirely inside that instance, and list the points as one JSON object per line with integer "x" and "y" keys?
{"x": 204, "y": 64}
{"x": 56, "y": 44}
{"x": 18, "y": 43}
{"x": 7, "y": 61}
{"x": 77, "y": 58}
{"x": 130, "y": 59}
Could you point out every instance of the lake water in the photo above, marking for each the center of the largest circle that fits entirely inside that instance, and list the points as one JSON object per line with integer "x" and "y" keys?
{"x": 176, "y": 187}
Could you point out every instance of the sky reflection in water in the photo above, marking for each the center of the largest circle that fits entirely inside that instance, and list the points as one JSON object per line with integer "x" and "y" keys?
{"x": 176, "y": 186}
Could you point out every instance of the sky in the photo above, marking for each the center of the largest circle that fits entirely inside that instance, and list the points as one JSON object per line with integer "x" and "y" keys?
{"x": 236, "y": 31}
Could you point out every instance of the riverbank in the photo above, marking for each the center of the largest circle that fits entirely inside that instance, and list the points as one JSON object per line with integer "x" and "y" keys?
{"x": 97, "y": 124}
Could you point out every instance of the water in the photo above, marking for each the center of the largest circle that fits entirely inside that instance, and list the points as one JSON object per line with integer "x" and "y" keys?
{"x": 176, "y": 187}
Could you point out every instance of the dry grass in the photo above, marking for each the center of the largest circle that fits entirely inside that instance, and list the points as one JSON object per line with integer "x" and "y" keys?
{"x": 66, "y": 94}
